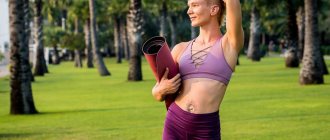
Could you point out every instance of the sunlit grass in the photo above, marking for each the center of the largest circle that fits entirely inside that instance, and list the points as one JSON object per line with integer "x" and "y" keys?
{"x": 264, "y": 101}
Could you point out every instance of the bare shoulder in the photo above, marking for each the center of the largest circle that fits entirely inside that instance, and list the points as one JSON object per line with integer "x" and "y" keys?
{"x": 178, "y": 50}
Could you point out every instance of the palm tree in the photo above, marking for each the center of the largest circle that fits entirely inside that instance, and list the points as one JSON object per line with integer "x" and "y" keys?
{"x": 27, "y": 30}
{"x": 301, "y": 31}
{"x": 117, "y": 10}
{"x": 52, "y": 38}
{"x": 20, "y": 80}
{"x": 77, "y": 56}
{"x": 169, "y": 12}
{"x": 73, "y": 41}
{"x": 266, "y": 18}
{"x": 311, "y": 71}
{"x": 117, "y": 38}
{"x": 53, "y": 13}
{"x": 254, "y": 42}
{"x": 134, "y": 26}
{"x": 40, "y": 66}
{"x": 163, "y": 16}
{"x": 291, "y": 57}
{"x": 80, "y": 9}
{"x": 77, "y": 51}
{"x": 174, "y": 10}
{"x": 88, "y": 50}
{"x": 103, "y": 71}
{"x": 124, "y": 38}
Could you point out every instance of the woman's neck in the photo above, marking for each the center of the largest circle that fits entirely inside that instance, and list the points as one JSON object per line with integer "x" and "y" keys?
{"x": 209, "y": 33}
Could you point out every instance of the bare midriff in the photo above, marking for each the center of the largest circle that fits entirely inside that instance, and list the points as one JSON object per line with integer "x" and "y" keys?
{"x": 201, "y": 95}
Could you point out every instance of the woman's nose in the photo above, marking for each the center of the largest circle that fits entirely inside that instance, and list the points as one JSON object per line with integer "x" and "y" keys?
{"x": 189, "y": 11}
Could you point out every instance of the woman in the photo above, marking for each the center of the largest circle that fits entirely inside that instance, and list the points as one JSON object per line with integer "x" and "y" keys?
{"x": 206, "y": 64}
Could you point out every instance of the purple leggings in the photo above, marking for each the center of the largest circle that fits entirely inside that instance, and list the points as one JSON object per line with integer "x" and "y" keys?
{"x": 183, "y": 125}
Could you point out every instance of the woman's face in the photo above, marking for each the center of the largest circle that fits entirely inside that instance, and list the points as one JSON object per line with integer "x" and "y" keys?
{"x": 199, "y": 12}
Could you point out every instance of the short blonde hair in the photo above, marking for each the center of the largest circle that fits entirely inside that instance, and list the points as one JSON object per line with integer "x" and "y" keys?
{"x": 222, "y": 9}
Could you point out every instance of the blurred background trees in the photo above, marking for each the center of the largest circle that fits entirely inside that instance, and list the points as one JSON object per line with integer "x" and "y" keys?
{"x": 87, "y": 31}
{"x": 270, "y": 29}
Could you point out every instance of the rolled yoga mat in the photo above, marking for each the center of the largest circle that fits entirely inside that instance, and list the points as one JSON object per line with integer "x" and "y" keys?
{"x": 159, "y": 57}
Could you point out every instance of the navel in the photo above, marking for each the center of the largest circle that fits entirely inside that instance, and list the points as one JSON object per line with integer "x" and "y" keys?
{"x": 190, "y": 108}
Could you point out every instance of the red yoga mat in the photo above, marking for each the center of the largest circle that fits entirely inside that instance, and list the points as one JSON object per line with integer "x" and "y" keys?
{"x": 159, "y": 57}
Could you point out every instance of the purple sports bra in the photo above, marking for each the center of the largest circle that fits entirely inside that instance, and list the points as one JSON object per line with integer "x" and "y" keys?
{"x": 214, "y": 65}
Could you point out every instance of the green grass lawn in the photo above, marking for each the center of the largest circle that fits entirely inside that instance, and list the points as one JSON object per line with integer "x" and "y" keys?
{"x": 263, "y": 102}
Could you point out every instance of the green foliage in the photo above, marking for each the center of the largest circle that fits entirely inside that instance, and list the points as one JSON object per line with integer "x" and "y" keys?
{"x": 173, "y": 6}
{"x": 104, "y": 38}
{"x": 73, "y": 41}
{"x": 53, "y": 9}
{"x": 118, "y": 7}
{"x": 52, "y": 35}
{"x": 151, "y": 26}
{"x": 324, "y": 19}
{"x": 272, "y": 16}
{"x": 263, "y": 102}
{"x": 79, "y": 9}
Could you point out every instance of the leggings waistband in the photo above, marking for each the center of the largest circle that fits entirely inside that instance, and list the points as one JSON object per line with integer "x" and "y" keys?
{"x": 193, "y": 122}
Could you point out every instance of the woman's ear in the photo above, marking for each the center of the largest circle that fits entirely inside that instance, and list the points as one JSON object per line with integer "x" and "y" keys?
{"x": 214, "y": 10}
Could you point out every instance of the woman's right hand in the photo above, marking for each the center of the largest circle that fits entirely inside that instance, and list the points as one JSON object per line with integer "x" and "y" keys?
{"x": 166, "y": 86}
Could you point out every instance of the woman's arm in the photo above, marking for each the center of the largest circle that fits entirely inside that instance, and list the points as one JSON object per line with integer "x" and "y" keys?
{"x": 166, "y": 86}
{"x": 235, "y": 34}
{"x": 169, "y": 86}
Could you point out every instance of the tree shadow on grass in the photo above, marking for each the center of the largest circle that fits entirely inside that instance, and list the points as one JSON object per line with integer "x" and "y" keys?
{"x": 96, "y": 110}
{"x": 3, "y": 91}
{"x": 17, "y": 135}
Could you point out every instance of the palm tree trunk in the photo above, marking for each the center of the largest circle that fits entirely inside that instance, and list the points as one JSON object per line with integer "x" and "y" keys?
{"x": 103, "y": 71}
{"x": 56, "y": 57}
{"x": 291, "y": 56}
{"x": 124, "y": 38}
{"x": 263, "y": 39}
{"x": 44, "y": 64}
{"x": 20, "y": 80}
{"x": 27, "y": 33}
{"x": 134, "y": 25}
{"x": 172, "y": 23}
{"x": 254, "y": 42}
{"x": 77, "y": 59}
{"x": 117, "y": 38}
{"x": 40, "y": 64}
{"x": 163, "y": 14}
{"x": 301, "y": 31}
{"x": 89, "y": 53}
{"x": 77, "y": 53}
{"x": 63, "y": 19}
{"x": 311, "y": 71}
